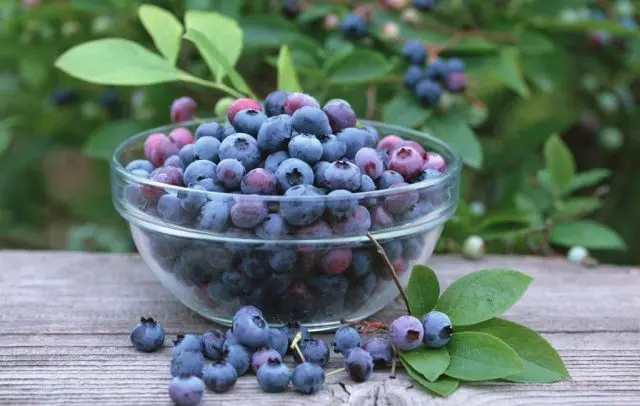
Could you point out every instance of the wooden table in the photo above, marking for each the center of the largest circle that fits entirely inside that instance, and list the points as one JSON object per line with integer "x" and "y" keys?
{"x": 65, "y": 319}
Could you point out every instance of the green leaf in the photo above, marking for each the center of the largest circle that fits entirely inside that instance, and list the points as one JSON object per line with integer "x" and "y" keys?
{"x": 104, "y": 140}
{"x": 481, "y": 357}
{"x": 358, "y": 67}
{"x": 443, "y": 386}
{"x": 114, "y": 61}
{"x": 423, "y": 290}
{"x": 164, "y": 28}
{"x": 430, "y": 363}
{"x": 578, "y": 206}
{"x": 215, "y": 59}
{"x": 587, "y": 233}
{"x": 503, "y": 224}
{"x": 541, "y": 361}
{"x": 223, "y": 33}
{"x": 6, "y": 134}
{"x": 287, "y": 77}
{"x": 559, "y": 162}
{"x": 586, "y": 179}
{"x": 505, "y": 68}
{"x": 33, "y": 70}
{"x": 405, "y": 110}
{"x": 482, "y": 295}
{"x": 453, "y": 129}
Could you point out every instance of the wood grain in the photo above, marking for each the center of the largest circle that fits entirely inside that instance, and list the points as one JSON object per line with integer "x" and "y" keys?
{"x": 65, "y": 318}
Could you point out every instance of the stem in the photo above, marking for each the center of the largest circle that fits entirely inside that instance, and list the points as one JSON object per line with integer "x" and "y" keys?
{"x": 187, "y": 77}
{"x": 392, "y": 271}
{"x": 394, "y": 363}
{"x": 295, "y": 346}
{"x": 337, "y": 371}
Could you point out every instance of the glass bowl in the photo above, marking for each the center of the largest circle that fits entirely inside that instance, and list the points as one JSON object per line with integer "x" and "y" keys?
{"x": 321, "y": 275}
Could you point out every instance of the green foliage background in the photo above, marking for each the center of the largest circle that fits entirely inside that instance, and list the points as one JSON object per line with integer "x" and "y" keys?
{"x": 534, "y": 130}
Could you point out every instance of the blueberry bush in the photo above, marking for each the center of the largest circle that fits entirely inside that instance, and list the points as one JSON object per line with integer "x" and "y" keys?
{"x": 538, "y": 97}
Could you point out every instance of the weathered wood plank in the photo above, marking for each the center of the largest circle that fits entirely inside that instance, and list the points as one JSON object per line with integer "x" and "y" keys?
{"x": 65, "y": 317}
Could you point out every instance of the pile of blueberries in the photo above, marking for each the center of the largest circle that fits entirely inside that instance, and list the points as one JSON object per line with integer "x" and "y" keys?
{"x": 288, "y": 146}
{"x": 250, "y": 344}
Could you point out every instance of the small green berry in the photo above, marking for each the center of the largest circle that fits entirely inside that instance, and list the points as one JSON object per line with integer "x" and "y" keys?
{"x": 222, "y": 106}
{"x": 611, "y": 138}
{"x": 473, "y": 247}
{"x": 577, "y": 254}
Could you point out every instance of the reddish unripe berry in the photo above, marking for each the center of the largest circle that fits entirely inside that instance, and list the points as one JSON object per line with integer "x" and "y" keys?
{"x": 389, "y": 142}
{"x": 413, "y": 145}
{"x": 298, "y": 100}
{"x": 435, "y": 161}
{"x": 242, "y": 104}
{"x": 158, "y": 147}
{"x": 380, "y": 218}
{"x": 183, "y": 109}
{"x": 406, "y": 161}
{"x": 336, "y": 261}
{"x": 181, "y": 137}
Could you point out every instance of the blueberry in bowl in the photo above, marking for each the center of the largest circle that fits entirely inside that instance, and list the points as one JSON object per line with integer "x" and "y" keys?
{"x": 279, "y": 216}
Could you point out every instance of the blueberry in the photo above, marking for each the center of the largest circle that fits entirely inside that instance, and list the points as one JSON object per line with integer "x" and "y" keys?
{"x": 183, "y": 109}
{"x": 303, "y": 211}
{"x": 207, "y": 148}
{"x": 345, "y": 339}
{"x": 239, "y": 357}
{"x": 407, "y": 161}
{"x": 278, "y": 341}
{"x": 319, "y": 229}
{"x": 186, "y": 390}
{"x": 412, "y": 76}
{"x": 315, "y": 350}
{"x": 283, "y": 261}
{"x": 367, "y": 185}
{"x": 273, "y": 227}
{"x": 193, "y": 201}
{"x": 355, "y": 139}
{"x": 380, "y": 350}
{"x": 294, "y": 101}
{"x": 336, "y": 260}
{"x": 429, "y": 173}
{"x": 393, "y": 249}
{"x": 140, "y": 164}
{"x": 343, "y": 174}
{"x": 237, "y": 283}
{"x": 147, "y": 336}
{"x": 158, "y": 147}
{"x": 306, "y": 147}
{"x": 242, "y": 104}
{"x": 369, "y": 162}
{"x": 212, "y": 344}
{"x": 242, "y": 147}
{"x": 229, "y": 173}
{"x": 210, "y": 129}
{"x": 437, "y": 329}
{"x": 417, "y": 210}
{"x": 293, "y": 172}
{"x": 354, "y": 26}
{"x": 456, "y": 82}
{"x": 187, "y": 154}
{"x": 254, "y": 266}
{"x": 340, "y": 115}
{"x": 400, "y": 203}
{"x": 199, "y": 170}
{"x": 389, "y": 178}
{"x": 333, "y": 148}
{"x": 311, "y": 120}
{"x": 424, "y": 5}
{"x": 357, "y": 223}
{"x": 274, "y": 103}
{"x": 428, "y": 92}
{"x": 274, "y": 376}
{"x": 406, "y": 333}
{"x": 274, "y": 133}
{"x": 455, "y": 65}
{"x": 340, "y": 204}
{"x": 307, "y": 378}
{"x": 228, "y": 130}
{"x": 213, "y": 216}
{"x": 291, "y": 9}
{"x": 181, "y": 136}
{"x": 437, "y": 70}
{"x": 246, "y": 311}
{"x": 242, "y": 234}
{"x": 291, "y": 329}
{"x": 361, "y": 264}
{"x": 248, "y": 213}
{"x": 64, "y": 97}
{"x": 251, "y": 330}
{"x": 185, "y": 343}
{"x": 170, "y": 209}
{"x": 318, "y": 172}
{"x": 359, "y": 365}
{"x": 188, "y": 363}
{"x": 361, "y": 291}
{"x": 260, "y": 358}
{"x": 220, "y": 377}
{"x": 413, "y": 247}
{"x": 415, "y": 52}
{"x": 373, "y": 136}
{"x": 274, "y": 160}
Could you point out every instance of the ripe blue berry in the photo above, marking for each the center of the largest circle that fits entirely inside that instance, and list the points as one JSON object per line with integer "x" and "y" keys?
{"x": 355, "y": 223}
{"x": 211, "y": 129}
{"x": 274, "y": 160}
{"x": 302, "y": 212}
{"x": 258, "y": 181}
{"x": 437, "y": 70}
{"x": 147, "y": 336}
{"x": 306, "y": 147}
{"x": 212, "y": 344}
{"x": 186, "y": 391}
{"x": 367, "y": 185}
{"x": 173, "y": 160}
{"x": 311, "y": 120}
{"x": 437, "y": 329}
{"x": 278, "y": 341}
{"x": 307, "y": 378}
{"x": 242, "y": 147}
{"x": 343, "y": 174}
{"x": 415, "y": 52}
{"x": 400, "y": 203}
{"x": 260, "y": 357}
{"x": 345, "y": 339}
{"x": 340, "y": 203}
{"x": 220, "y": 377}
{"x": 315, "y": 350}
{"x": 274, "y": 133}
{"x": 140, "y": 164}
{"x": 428, "y": 92}
{"x": 193, "y": 201}
{"x": 239, "y": 357}
{"x": 248, "y": 121}
{"x": 340, "y": 115}
{"x": 274, "y": 103}
{"x": 251, "y": 330}
{"x": 354, "y": 26}
{"x": 291, "y": 329}
{"x": 228, "y": 130}
{"x": 207, "y": 148}
{"x": 274, "y": 376}
{"x": 185, "y": 343}
{"x": 283, "y": 261}
{"x": 355, "y": 139}
{"x": 373, "y": 136}
{"x": 359, "y": 365}
{"x": 171, "y": 210}
{"x": 406, "y": 333}
{"x": 412, "y": 76}
{"x": 187, "y": 154}
{"x": 318, "y": 172}
{"x": 246, "y": 311}
{"x": 295, "y": 101}
{"x": 380, "y": 350}
{"x": 229, "y": 173}
{"x": 293, "y": 172}
{"x": 198, "y": 170}
{"x": 213, "y": 216}
{"x": 273, "y": 227}
{"x": 188, "y": 363}
{"x": 455, "y": 65}
{"x": 361, "y": 264}
{"x": 333, "y": 148}
{"x": 424, "y": 5}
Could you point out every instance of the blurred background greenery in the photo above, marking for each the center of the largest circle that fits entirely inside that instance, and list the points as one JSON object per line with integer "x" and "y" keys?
{"x": 535, "y": 69}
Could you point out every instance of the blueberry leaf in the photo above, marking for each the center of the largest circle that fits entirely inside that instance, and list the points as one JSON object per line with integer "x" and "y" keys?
{"x": 587, "y": 233}
{"x": 559, "y": 163}
{"x": 287, "y": 76}
{"x": 430, "y": 363}
{"x": 103, "y": 140}
{"x": 164, "y": 28}
{"x": 480, "y": 357}
{"x": 114, "y": 61}
{"x": 358, "y": 67}
{"x": 453, "y": 129}
{"x": 541, "y": 361}
{"x": 443, "y": 386}
{"x": 404, "y": 110}
{"x": 423, "y": 290}
{"x": 587, "y": 178}
{"x": 482, "y": 295}
{"x": 214, "y": 58}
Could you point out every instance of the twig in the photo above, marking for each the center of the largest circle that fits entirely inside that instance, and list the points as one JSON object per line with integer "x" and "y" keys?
{"x": 295, "y": 346}
{"x": 392, "y": 271}
{"x": 394, "y": 363}
{"x": 337, "y": 371}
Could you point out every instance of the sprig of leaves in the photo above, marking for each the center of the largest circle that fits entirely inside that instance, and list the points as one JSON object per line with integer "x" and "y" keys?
{"x": 483, "y": 346}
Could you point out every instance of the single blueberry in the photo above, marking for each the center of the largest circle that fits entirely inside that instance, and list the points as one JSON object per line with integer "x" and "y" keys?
{"x": 274, "y": 103}
{"x": 340, "y": 115}
{"x": 406, "y": 333}
{"x": 361, "y": 291}
{"x": 187, "y": 363}
{"x": 361, "y": 264}
{"x": 333, "y": 148}
{"x": 359, "y": 365}
{"x": 278, "y": 341}
{"x": 455, "y": 65}
{"x": 283, "y": 261}
{"x": 213, "y": 216}
{"x": 296, "y": 101}
{"x": 193, "y": 201}
{"x": 239, "y": 357}
{"x": 315, "y": 350}
{"x": 400, "y": 203}
{"x": 207, "y": 148}
{"x": 170, "y": 209}
{"x": 341, "y": 203}
{"x": 293, "y": 172}
{"x": 380, "y": 350}
{"x": 437, "y": 70}
{"x": 258, "y": 181}
{"x": 291, "y": 329}
{"x": 388, "y": 178}
{"x": 187, "y": 154}
{"x": 252, "y": 331}
{"x": 356, "y": 223}
{"x": 246, "y": 310}
{"x": 210, "y": 129}
{"x": 247, "y": 213}
{"x": 343, "y": 174}
{"x": 185, "y": 343}
{"x": 424, "y": 5}
{"x": 242, "y": 147}
{"x": 236, "y": 283}
{"x": 415, "y": 52}
{"x": 220, "y": 377}
{"x": 307, "y": 378}
{"x": 273, "y": 227}
{"x": 260, "y": 358}
{"x": 143, "y": 164}
{"x": 311, "y": 120}
{"x": 186, "y": 390}
{"x": 345, "y": 339}
{"x": 306, "y": 147}
{"x": 413, "y": 247}
{"x": 367, "y": 185}
{"x": 354, "y": 26}
{"x": 355, "y": 139}
{"x": 412, "y": 76}
{"x": 428, "y": 92}
{"x": 229, "y": 173}
{"x": 212, "y": 344}
{"x": 198, "y": 170}
{"x": 274, "y": 160}
{"x": 303, "y": 207}
{"x": 369, "y": 162}
{"x": 374, "y": 136}
{"x": 393, "y": 249}
{"x": 274, "y": 376}
{"x": 274, "y": 133}
{"x": 437, "y": 329}
{"x": 228, "y": 130}
{"x": 318, "y": 172}
{"x": 147, "y": 336}
{"x": 194, "y": 267}
{"x": 174, "y": 160}
{"x": 248, "y": 121}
